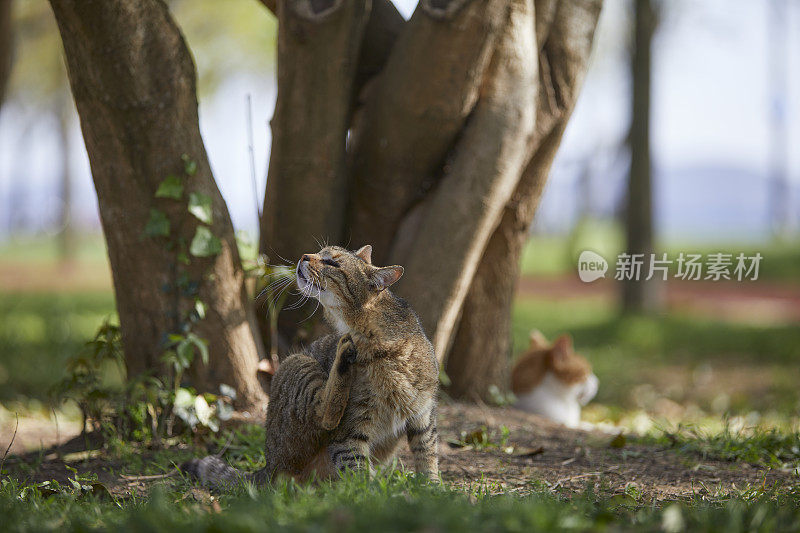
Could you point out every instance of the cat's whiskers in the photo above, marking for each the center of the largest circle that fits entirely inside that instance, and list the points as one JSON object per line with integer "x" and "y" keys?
{"x": 298, "y": 304}
{"x": 278, "y": 293}
{"x": 275, "y": 283}
{"x": 278, "y": 275}
{"x": 319, "y": 293}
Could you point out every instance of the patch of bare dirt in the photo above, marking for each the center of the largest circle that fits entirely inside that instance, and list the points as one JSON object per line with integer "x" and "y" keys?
{"x": 55, "y": 277}
{"x": 32, "y": 431}
{"x": 571, "y": 458}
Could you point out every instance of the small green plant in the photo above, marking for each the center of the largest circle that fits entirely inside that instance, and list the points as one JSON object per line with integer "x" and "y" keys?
{"x": 482, "y": 439}
{"x": 84, "y": 383}
{"x": 156, "y": 406}
{"x": 145, "y": 408}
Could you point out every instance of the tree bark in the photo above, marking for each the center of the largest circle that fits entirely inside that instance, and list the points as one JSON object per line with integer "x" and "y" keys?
{"x": 479, "y": 179}
{"x": 383, "y": 26}
{"x": 415, "y": 111}
{"x": 66, "y": 234}
{"x": 6, "y": 45}
{"x": 479, "y": 356}
{"x": 306, "y": 196}
{"x": 640, "y": 295}
{"x": 134, "y": 85}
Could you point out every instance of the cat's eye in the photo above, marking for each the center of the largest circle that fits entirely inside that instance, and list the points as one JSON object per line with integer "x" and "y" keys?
{"x": 330, "y": 262}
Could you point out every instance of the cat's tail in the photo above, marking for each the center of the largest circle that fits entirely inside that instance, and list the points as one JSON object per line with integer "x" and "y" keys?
{"x": 214, "y": 473}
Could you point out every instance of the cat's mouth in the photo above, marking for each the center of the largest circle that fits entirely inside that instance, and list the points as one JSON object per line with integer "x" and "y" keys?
{"x": 304, "y": 282}
{"x": 302, "y": 278}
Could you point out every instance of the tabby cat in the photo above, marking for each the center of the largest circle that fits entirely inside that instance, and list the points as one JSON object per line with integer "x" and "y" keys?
{"x": 346, "y": 401}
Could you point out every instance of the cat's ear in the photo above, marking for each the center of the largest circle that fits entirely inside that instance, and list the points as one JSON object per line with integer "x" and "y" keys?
{"x": 562, "y": 346}
{"x": 365, "y": 253}
{"x": 538, "y": 340}
{"x": 386, "y": 276}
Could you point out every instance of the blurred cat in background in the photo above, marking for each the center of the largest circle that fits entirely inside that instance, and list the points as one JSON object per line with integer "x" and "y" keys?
{"x": 553, "y": 381}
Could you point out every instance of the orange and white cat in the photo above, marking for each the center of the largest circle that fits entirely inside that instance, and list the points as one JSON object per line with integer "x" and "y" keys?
{"x": 553, "y": 381}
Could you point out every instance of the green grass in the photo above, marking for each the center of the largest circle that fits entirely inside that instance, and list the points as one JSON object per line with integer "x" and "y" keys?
{"x": 391, "y": 501}
{"x": 38, "y": 332}
{"x": 766, "y": 447}
{"x": 558, "y": 255}
{"x": 673, "y": 338}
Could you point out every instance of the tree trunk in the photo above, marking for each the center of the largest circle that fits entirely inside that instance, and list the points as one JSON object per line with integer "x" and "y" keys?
{"x": 479, "y": 356}
{"x": 66, "y": 234}
{"x": 6, "y": 45}
{"x": 639, "y": 295}
{"x": 438, "y": 140}
{"x": 318, "y": 50}
{"x": 134, "y": 84}
{"x": 480, "y": 177}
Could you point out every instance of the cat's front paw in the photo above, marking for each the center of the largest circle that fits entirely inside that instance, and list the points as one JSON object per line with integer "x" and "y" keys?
{"x": 346, "y": 353}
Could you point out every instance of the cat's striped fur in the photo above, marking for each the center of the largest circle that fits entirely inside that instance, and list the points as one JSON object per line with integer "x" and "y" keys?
{"x": 379, "y": 355}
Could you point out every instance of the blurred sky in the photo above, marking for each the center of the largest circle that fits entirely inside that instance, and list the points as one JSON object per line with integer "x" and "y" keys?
{"x": 710, "y": 130}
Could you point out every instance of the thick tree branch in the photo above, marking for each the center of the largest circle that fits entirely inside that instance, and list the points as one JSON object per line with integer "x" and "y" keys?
{"x": 482, "y": 173}
{"x": 6, "y": 46}
{"x": 307, "y": 185}
{"x": 563, "y": 61}
{"x": 383, "y": 27}
{"x": 479, "y": 356}
{"x": 306, "y": 196}
{"x": 414, "y": 113}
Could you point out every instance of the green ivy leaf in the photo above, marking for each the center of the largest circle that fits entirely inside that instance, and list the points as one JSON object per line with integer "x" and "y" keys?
{"x": 200, "y": 309}
{"x": 189, "y": 165}
{"x": 200, "y": 206}
{"x": 157, "y": 225}
{"x": 204, "y": 243}
{"x": 171, "y": 187}
{"x": 200, "y": 344}
{"x": 185, "y": 353}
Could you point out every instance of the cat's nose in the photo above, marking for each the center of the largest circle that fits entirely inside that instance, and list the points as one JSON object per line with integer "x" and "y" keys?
{"x": 306, "y": 258}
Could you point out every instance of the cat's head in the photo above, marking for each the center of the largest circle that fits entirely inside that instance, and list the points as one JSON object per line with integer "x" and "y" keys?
{"x": 344, "y": 280}
{"x": 558, "y": 358}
